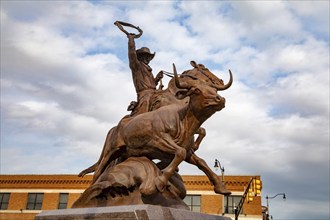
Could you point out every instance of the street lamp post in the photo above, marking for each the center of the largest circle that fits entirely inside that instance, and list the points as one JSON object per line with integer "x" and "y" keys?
{"x": 272, "y": 197}
{"x": 217, "y": 165}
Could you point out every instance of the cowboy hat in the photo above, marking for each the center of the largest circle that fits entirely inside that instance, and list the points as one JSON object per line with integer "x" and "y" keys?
{"x": 145, "y": 51}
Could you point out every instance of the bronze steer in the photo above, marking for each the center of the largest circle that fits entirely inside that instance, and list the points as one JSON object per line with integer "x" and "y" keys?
{"x": 167, "y": 133}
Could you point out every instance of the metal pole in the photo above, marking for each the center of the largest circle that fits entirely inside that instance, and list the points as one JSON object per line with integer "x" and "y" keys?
{"x": 241, "y": 202}
{"x": 267, "y": 197}
{"x": 267, "y": 207}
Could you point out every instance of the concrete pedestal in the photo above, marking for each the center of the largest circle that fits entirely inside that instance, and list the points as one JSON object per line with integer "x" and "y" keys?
{"x": 131, "y": 212}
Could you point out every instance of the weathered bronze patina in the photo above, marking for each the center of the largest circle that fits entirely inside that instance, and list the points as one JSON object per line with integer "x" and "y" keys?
{"x": 161, "y": 126}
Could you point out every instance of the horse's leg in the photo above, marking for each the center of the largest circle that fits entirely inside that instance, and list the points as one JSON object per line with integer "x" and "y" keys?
{"x": 106, "y": 160}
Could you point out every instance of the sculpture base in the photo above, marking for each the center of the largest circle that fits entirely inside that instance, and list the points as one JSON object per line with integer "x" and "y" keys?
{"x": 132, "y": 212}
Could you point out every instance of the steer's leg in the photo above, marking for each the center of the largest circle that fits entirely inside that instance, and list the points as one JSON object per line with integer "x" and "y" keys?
{"x": 167, "y": 145}
{"x": 201, "y": 134}
{"x": 192, "y": 158}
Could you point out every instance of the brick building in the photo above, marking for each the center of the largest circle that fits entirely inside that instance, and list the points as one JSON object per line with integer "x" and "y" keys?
{"x": 24, "y": 196}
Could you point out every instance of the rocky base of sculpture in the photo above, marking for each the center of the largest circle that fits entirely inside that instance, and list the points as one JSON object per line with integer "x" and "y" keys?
{"x": 132, "y": 182}
{"x": 132, "y": 212}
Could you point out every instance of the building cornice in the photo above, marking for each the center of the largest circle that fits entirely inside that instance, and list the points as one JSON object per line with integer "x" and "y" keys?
{"x": 235, "y": 183}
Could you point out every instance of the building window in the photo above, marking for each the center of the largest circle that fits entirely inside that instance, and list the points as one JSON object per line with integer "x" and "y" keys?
{"x": 194, "y": 202}
{"x": 230, "y": 204}
{"x": 63, "y": 201}
{"x": 4, "y": 200}
{"x": 34, "y": 201}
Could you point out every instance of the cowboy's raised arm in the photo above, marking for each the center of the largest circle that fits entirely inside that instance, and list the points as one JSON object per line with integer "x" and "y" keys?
{"x": 132, "y": 57}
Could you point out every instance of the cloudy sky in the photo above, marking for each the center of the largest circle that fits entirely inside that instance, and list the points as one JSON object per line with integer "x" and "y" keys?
{"x": 65, "y": 82}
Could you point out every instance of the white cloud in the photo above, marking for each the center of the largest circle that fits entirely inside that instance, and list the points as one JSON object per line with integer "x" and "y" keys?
{"x": 266, "y": 22}
{"x": 314, "y": 14}
{"x": 213, "y": 29}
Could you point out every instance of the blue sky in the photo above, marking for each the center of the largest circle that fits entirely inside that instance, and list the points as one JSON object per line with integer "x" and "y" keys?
{"x": 65, "y": 82}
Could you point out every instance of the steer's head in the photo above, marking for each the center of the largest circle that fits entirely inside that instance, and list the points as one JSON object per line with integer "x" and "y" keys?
{"x": 201, "y": 86}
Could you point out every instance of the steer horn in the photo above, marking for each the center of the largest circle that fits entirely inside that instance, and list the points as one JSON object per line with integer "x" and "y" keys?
{"x": 224, "y": 87}
{"x": 179, "y": 85}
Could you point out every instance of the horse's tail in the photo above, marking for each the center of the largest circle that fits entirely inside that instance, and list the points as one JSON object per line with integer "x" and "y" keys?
{"x": 106, "y": 148}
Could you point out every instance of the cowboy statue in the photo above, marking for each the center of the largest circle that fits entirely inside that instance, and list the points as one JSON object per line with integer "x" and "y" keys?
{"x": 140, "y": 157}
{"x": 144, "y": 81}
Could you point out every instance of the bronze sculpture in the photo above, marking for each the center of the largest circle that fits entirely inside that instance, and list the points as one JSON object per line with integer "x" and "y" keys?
{"x": 143, "y": 79}
{"x": 161, "y": 126}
